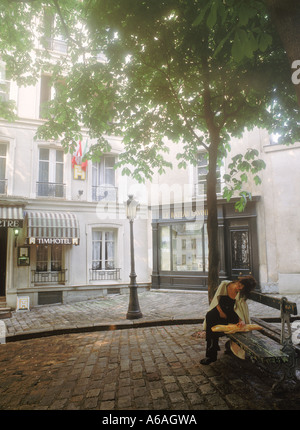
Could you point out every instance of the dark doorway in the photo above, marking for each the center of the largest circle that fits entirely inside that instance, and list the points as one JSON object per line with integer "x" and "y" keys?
{"x": 3, "y": 253}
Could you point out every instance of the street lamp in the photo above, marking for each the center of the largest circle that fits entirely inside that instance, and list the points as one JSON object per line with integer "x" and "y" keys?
{"x": 133, "y": 307}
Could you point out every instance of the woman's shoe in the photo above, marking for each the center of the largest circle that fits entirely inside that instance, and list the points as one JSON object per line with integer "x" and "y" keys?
{"x": 207, "y": 360}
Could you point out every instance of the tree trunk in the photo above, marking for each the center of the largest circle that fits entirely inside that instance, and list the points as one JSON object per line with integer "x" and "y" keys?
{"x": 212, "y": 219}
{"x": 285, "y": 15}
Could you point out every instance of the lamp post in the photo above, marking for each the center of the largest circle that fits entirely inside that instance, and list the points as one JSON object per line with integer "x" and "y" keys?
{"x": 133, "y": 307}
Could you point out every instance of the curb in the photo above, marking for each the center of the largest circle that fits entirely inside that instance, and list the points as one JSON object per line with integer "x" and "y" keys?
{"x": 35, "y": 334}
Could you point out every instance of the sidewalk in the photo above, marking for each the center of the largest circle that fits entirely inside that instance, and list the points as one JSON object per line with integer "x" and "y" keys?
{"x": 159, "y": 307}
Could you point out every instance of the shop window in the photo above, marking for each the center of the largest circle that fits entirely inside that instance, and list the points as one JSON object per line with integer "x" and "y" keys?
{"x": 51, "y": 173}
{"x": 104, "y": 179}
{"x": 183, "y": 247}
{"x": 3, "y": 163}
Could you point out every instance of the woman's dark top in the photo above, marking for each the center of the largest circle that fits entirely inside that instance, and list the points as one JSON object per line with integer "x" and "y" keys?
{"x": 227, "y": 306}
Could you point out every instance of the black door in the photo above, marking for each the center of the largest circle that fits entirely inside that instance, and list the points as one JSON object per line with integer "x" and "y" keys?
{"x": 240, "y": 251}
{"x": 3, "y": 252}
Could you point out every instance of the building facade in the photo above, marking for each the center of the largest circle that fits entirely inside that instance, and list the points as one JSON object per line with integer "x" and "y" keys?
{"x": 263, "y": 239}
{"x": 64, "y": 235}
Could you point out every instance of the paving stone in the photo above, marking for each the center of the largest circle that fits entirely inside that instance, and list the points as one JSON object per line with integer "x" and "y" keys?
{"x": 147, "y": 368}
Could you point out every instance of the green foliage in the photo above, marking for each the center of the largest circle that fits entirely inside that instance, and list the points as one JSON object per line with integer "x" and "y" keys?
{"x": 240, "y": 168}
{"x": 182, "y": 70}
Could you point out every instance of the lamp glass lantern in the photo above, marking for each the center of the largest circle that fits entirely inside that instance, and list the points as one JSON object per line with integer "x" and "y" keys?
{"x": 132, "y": 207}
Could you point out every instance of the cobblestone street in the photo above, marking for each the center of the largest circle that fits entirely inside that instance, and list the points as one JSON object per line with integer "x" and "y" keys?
{"x": 154, "y": 368}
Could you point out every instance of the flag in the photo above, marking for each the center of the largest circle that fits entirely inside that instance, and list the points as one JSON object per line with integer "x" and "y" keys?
{"x": 84, "y": 163}
{"x": 77, "y": 157}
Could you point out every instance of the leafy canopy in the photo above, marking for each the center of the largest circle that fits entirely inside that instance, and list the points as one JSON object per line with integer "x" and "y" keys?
{"x": 181, "y": 69}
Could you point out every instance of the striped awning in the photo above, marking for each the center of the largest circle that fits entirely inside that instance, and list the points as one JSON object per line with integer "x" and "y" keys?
{"x": 11, "y": 216}
{"x": 52, "y": 228}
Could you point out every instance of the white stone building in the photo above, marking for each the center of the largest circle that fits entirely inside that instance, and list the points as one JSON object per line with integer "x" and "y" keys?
{"x": 64, "y": 235}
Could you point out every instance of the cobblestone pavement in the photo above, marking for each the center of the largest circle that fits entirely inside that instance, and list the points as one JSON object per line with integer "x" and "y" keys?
{"x": 152, "y": 368}
{"x": 156, "y": 306}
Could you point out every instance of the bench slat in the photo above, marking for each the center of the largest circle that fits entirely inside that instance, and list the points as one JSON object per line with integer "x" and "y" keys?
{"x": 262, "y": 349}
{"x": 273, "y": 302}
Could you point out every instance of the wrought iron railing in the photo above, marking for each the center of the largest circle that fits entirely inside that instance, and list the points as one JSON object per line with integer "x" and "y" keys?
{"x": 57, "y": 45}
{"x": 51, "y": 189}
{"x": 105, "y": 275}
{"x": 106, "y": 193}
{"x": 48, "y": 277}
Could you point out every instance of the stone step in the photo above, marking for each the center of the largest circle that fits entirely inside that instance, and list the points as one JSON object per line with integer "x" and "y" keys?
{"x": 5, "y": 314}
{"x": 5, "y": 311}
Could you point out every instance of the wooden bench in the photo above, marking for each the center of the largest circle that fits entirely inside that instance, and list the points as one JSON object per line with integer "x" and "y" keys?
{"x": 271, "y": 346}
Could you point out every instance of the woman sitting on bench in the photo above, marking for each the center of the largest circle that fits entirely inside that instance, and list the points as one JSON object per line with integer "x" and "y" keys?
{"x": 227, "y": 307}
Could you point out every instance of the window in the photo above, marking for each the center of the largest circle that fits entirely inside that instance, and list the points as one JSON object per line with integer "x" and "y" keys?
{"x": 55, "y": 41}
{"x": 51, "y": 173}
{"x": 49, "y": 264}
{"x": 201, "y": 175}
{"x": 103, "y": 256}
{"x": 103, "y": 180}
{"x": 4, "y": 84}
{"x": 48, "y": 91}
{"x": 46, "y": 94}
{"x": 103, "y": 252}
{"x": 3, "y": 182}
{"x": 49, "y": 258}
{"x": 184, "y": 247}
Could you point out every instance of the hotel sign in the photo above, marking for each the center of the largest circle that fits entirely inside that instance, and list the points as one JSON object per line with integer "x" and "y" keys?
{"x": 11, "y": 223}
{"x": 52, "y": 241}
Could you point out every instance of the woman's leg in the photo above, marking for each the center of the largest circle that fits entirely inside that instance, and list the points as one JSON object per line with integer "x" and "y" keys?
{"x": 212, "y": 338}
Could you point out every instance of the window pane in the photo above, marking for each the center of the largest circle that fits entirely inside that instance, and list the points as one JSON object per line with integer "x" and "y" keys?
{"x": 165, "y": 248}
{"x": 97, "y": 250}
{"x": 44, "y": 154}
{"x": 109, "y": 171}
{"x": 60, "y": 156}
{"x": 2, "y": 168}
{"x": 59, "y": 174}
{"x": 187, "y": 247}
{"x": 41, "y": 258}
{"x": 56, "y": 258}
{"x": 2, "y": 150}
{"x": 109, "y": 250}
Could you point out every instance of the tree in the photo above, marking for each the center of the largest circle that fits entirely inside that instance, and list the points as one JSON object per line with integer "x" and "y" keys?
{"x": 286, "y": 17}
{"x": 177, "y": 77}
{"x": 194, "y": 71}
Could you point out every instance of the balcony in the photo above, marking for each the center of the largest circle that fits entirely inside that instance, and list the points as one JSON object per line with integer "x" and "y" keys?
{"x": 57, "y": 45}
{"x": 105, "y": 275}
{"x": 57, "y": 277}
{"x": 51, "y": 189}
{"x": 106, "y": 193}
{"x": 3, "y": 186}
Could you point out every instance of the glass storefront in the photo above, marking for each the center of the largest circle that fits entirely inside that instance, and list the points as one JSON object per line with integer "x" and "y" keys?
{"x": 180, "y": 245}
{"x": 183, "y": 247}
